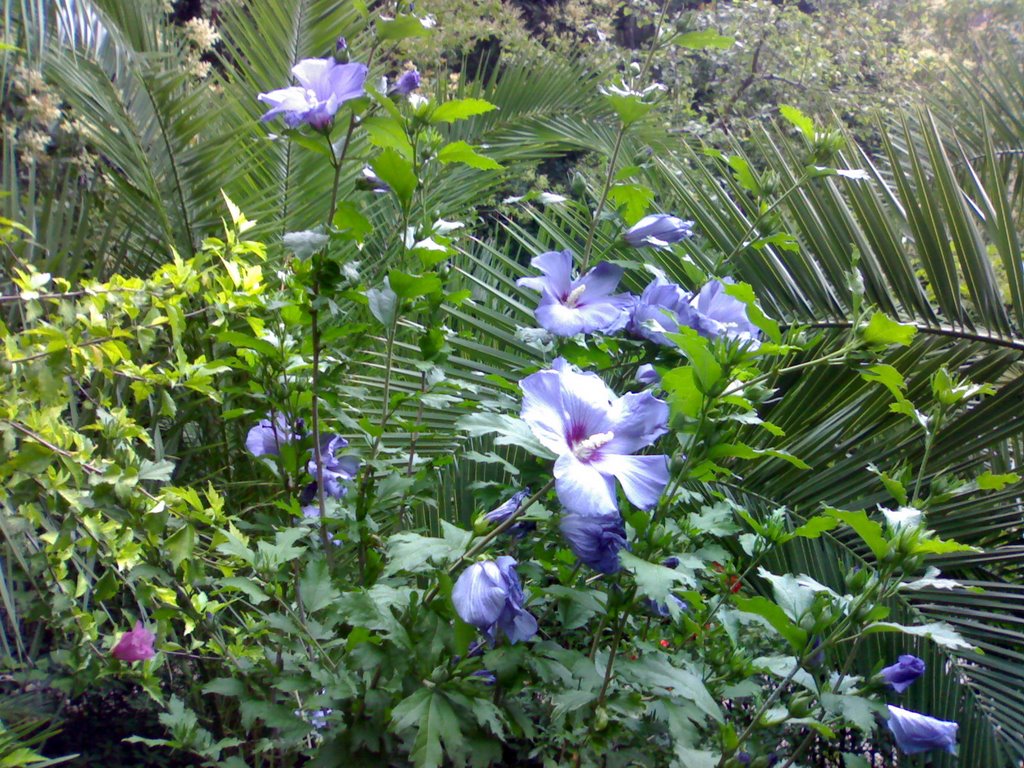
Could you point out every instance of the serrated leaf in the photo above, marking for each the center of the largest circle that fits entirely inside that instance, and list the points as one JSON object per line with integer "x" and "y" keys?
{"x": 653, "y": 581}
{"x": 461, "y": 152}
{"x": 460, "y": 109}
{"x": 316, "y": 588}
{"x": 388, "y": 133}
{"x": 939, "y": 632}
{"x": 882, "y": 331}
{"x": 799, "y": 119}
{"x": 305, "y": 243}
{"x": 776, "y": 618}
{"x": 180, "y": 545}
{"x": 397, "y": 172}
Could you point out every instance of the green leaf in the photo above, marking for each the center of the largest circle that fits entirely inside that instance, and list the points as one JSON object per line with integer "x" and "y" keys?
{"x": 855, "y": 710}
{"x": 745, "y": 293}
{"x": 882, "y": 331}
{"x": 242, "y": 584}
{"x": 180, "y": 545}
{"x": 410, "y": 552}
{"x": 707, "y": 371}
{"x": 744, "y": 174}
{"x": 744, "y": 451}
{"x": 349, "y": 219}
{"x": 683, "y": 395}
{"x": 397, "y": 172}
{"x": 316, "y": 588}
{"x": 990, "y": 482}
{"x": 653, "y": 581}
{"x": 776, "y": 618}
{"x": 461, "y": 152}
{"x": 869, "y": 531}
{"x": 505, "y": 430}
{"x": 401, "y": 28}
{"x": 408, "y": 286}
{"x": 434, "y": 719}
{"x": 388, "y": 133}
{"x": 702, "y": 38}
{"x": 816, "y": 526}
{"x": 939, "y": 632}
{"x": 629, "y": 107}
{"x": 245, "y": 341}
{"x": 655, "y": 670}
{"x": 799, "y": 119}
{"x": 304, "y": 244}
{"x": 634, "y": 200}
{"x": 460, "y": 109}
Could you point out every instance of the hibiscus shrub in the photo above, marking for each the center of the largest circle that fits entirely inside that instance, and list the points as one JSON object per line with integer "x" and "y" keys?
{"x": 306, "y": 591}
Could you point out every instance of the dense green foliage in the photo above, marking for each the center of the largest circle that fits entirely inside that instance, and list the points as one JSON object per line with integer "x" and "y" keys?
{"x": 174, "y": 270}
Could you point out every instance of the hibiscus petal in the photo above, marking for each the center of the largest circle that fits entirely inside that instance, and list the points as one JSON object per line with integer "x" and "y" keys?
{"x": 557, "y": 266}
{"x": 553, "y": 316}
{"x": 600, "y": 281}
{"x": 479, "y": 595}
{"x": 582, "y": 489}
{"x": 637, "y": 420}
{"x": 603, "y": 317}
{"x": 312, "y": 72}
{"x": 345, "y": 81}
{"x": 542, "y": 409}
{"x": 643, "y": 478}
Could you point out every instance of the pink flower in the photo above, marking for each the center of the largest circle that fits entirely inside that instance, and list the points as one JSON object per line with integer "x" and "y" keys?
{"x": 136, "y": 645}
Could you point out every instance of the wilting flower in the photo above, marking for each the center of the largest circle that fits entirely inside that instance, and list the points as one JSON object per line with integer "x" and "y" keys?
{"x": 324, "y": 85}
{"x": 719, "y": 314}
{"x": 661, "y": 309}
{"x": 596, "y": 539}
{"x": 488, "y": 596}
{"x": 594, "y": 433}
{"x": 905, "y": 671}
{"x": 504, "y": 511}
{"x": 336, "y": 469}
{"x": 136, "y": 645}
{"x": 407, "y": 83}
{"x": 658, "y": 230}
{"x": 267, "y": 437}
{"x": 583, "y": 305}
{"x": 919, "y": 733}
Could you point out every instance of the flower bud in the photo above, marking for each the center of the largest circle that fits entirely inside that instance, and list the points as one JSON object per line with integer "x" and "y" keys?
{"x": 341, "y": 54}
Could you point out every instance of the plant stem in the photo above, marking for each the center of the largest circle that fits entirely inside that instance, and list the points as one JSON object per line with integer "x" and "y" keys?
{"x": 491, "y": 535}
{"x": 604, "y": 198}
{"x": 929, "y": 442}
{"x": 750, "y": 230}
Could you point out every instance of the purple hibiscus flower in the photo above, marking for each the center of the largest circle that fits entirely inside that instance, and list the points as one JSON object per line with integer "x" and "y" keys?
{"x": 719, "y": 314}
{"x": 596, "y": 539}
{"x": 407, "y": 83}
{"x": 488, "y": 596}
{"x": 135, "y": 645}
{"x": 661, "y": 309}
{"x": 337, "y": 470}
{"x": 594, "y": 434}
{"x": 324, "y": 85}
{"x": 905, "y": 671}
{"x": 267, "y": 437}
{"x": 919, "y": 733}
{"x": 503, "y": 512}
{"x": 583, "y": 305}
{"x": 658, "y": 230}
